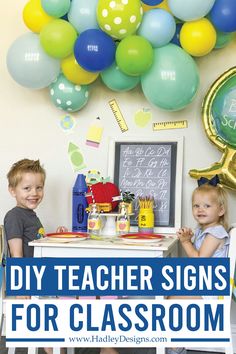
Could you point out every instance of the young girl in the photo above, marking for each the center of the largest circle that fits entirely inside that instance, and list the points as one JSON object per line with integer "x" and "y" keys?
{"x": 210, "y": 210}
{"x": 209, "y": 206}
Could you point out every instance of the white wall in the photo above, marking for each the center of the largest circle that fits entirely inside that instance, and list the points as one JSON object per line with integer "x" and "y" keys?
{"x": 30, "y": 128}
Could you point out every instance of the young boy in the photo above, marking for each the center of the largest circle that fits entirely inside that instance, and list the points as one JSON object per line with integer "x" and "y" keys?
{"x": 26, "y": 180}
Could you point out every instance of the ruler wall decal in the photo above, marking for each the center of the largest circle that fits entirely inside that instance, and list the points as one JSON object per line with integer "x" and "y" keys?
{"x": 179, "y": 124}
{"x": 118, "y": 115}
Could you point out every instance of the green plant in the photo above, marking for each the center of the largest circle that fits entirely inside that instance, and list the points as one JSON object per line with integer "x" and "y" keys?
{"x": 128, "y": 197}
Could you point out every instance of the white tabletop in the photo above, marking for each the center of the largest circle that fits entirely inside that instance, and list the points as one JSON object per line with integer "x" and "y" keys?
{"x": 114, "y": 242}
{"x": 107, "y": 247}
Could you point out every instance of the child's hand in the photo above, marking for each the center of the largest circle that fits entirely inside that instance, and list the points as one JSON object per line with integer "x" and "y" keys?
{"x": 62, "y": 229}
{"x": 184, "y": 234}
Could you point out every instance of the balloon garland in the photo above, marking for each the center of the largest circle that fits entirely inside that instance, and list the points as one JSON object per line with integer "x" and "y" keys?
{"x": 126, "y": 42}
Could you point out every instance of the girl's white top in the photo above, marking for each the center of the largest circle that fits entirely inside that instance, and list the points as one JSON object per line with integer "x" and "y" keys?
{"x": 217, "y": 231}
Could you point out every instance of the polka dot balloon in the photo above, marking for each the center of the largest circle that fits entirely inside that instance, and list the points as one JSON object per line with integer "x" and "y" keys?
{"x": 119, "y": 18}
{"x": 67, "y": 96}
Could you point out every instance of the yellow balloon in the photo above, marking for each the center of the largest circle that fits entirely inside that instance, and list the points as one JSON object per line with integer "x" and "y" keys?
{"x": 219, "y": 122}
{"x": 75, "y": 73}
{"x": 198, "y": 38}
{"x": 34, "y": 16}
{"x": 163, "y": 5}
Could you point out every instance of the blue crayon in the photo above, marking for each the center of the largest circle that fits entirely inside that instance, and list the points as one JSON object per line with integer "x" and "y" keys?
{"x": 79, "y": 205}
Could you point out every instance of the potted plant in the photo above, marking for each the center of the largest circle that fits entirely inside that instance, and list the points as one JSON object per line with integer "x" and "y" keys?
{"x": 128, "y": 198}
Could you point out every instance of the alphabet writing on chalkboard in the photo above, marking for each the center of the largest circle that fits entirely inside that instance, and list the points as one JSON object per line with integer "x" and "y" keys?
{"x": 148, "y": 169}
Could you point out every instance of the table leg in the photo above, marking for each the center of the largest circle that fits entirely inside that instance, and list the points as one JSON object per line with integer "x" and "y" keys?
{"x": 11, "y": 350}
{"x": 174, "y": 251}
{"x": 56, "y": 350}
{"x": 32, "y": 350}
{"x": 70, "y": 350}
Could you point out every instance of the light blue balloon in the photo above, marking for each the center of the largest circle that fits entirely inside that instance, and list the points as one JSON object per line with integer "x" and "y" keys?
{"x": 191, "y": 9}
{"x": 82, "y": 15}
{"x": 29, "y": 65}
{"x": 67, "y": 96}
{"x": 56, "y": 8}
{"x": 173, "y": 79}
{"x": 158, "y": 27}
{"x": 116, "y": 80}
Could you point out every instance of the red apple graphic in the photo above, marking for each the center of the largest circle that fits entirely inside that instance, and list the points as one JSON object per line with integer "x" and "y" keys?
{"x": 122, "y": 226}
{"x": 91, "y": 224}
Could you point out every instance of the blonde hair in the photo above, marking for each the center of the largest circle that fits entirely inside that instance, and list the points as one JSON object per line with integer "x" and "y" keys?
{"x": 14, "y": 176}
{"x": 221, "y": 198}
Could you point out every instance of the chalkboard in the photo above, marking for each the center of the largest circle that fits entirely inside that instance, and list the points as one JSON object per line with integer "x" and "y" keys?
{"x": 150, "y": 168}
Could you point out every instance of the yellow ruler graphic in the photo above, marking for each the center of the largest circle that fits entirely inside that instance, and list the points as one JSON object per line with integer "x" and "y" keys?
{"x": 118, "y": 116}
{"x": 179, "y": 124}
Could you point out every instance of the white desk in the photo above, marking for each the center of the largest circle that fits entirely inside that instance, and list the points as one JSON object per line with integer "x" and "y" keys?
{"x": 166, "y": 247}
{"x": 108, "y": 247}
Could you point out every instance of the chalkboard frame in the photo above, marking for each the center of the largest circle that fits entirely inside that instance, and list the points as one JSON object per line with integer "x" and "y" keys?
{"x": 177, "y": 173}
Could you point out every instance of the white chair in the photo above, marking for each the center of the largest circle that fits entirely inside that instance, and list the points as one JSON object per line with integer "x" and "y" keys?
{"x": 232, "y": 256}
{"x": 2, "y": 288}
{"x": 31, "y": 350}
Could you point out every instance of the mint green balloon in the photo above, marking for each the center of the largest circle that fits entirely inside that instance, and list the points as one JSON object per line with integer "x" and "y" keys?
{"x": 173, "y": 79}
{"x": 67, "y": 96}
{"x": 223, "y": 38}
{"x": 56, "y": 8}
{"x": 116, "y": 80}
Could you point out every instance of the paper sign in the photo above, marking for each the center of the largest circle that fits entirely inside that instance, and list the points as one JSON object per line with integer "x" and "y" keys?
{"x": 76, "y": 157}
{"x": 142, "y": 117}
{"x": 94, "y": 134}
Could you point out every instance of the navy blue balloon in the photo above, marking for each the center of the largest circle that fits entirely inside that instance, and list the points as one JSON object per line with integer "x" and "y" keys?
{"x": 94, "y": 50}
{"x": 152, "y": 2}
{"x": 223, "y": 15}
{"x": 175, "y": 39}
{"x": 65, "y": 17}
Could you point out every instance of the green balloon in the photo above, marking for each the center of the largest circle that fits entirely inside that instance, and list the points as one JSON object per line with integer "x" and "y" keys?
{"x": 173, "y": 79}
{"x": 56, "y": 8}
{"x": 57, "y": 38}
{"x": 223, "y": 112}
{"x": 116, "y": 80}
{"x": 134, "y": 55}
{"x": 67, "y": 96}
{"x": 223, "y": 38}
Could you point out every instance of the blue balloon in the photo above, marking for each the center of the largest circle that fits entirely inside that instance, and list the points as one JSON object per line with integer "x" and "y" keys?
{"x": 94, "y": 50}
{"x": 152, "y": 2}
{"x": 190, "y": 10}
{"x": 82, "y": 15}
{"x": 158, "y": 27}
{"x": 175, "y": 39}
{"x": 223, "y": 15}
